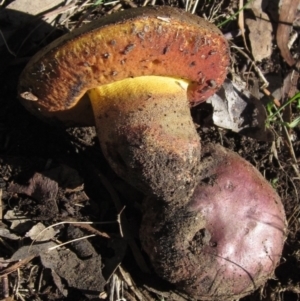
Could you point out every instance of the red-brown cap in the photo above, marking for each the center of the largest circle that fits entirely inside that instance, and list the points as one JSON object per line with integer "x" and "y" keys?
{"x": 160, "y": 41}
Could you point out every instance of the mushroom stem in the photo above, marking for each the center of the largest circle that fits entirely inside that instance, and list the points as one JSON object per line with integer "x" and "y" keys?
{"x": 147, "y": 134}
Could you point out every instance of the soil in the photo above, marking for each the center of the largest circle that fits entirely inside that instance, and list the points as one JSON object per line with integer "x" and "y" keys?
{"x": 34, "y": 156}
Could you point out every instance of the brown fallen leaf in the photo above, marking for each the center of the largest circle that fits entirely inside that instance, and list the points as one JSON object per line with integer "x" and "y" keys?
{"x": 39, "y": 233}
{"x": 260, "y": 35}
{"x": 241, "y": 23}
{"x": 287, "y": 15}
{"x": 235, "y": 108}
{"x": 84, "y": 275}
{"x": 19, "y": 222}
{"x": 40, "y": 187}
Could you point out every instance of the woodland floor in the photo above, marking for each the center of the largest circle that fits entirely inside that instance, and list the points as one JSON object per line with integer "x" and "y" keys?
{"x": 72, "y": 182}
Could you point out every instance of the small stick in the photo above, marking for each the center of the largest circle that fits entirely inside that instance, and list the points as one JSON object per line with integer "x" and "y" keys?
{"x": 1, "y": 206}
{"x": 195, "y": 6}
{"x": 126, "y": 277}
{"x": 15, "y": 266}
{"x": 275, "y": 100}
{"x": 5, "y": 287}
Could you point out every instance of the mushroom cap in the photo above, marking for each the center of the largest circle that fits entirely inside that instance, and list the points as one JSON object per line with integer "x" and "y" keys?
{"x": 161, "y": 41}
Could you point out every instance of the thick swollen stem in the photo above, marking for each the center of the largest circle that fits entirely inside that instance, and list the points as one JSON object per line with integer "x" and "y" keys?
{"x": 224, "y": 243}
{"x": 147, "y": 134}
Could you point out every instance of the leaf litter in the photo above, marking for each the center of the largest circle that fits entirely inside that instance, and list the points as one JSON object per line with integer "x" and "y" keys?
{"x": 60, "y": 193}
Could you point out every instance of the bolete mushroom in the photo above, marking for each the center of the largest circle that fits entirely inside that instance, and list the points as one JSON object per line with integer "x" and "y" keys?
{"x": 142, "y": 70}
{"x": 227, "y": 240}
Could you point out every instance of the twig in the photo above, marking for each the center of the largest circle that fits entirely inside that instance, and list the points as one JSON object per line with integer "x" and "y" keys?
{"x": 5, "y": 287}
{"x": 168, "y": 295}
{"x": 130, "y": 3}
{"x": 187, "y": 2}
{"x": 195, "y": 6}
{"x": 145, "y": 2}
{"x": 114, "y": 9}
{"x": 91, "y": 229}
{"x": 16, "y": 266}
{"x": 269, "y": 94}
{"x": 1, "y": 206}
{"x": 241, "y": 23}
{"x": 29, "y": 279}
{"x": 119, "y": 221}
{"x": 40, "y": 281}
{"x": 126, "y": 277}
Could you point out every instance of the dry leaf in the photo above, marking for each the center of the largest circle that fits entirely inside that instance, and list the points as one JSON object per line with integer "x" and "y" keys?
{"x": 38, "y": 233}
{"x": 59, "y": 283}
{"x": 19, "y": 222}
{"x": 7, "y": 234}
{"x": 35, "y": 7}
{"x": 236, "y": 109}
{"x": 287, "y": 15}
{"x": 260, "y": 29}
{"x": 84, "y": 275}
{"x": 67, "y": 178}
{"x": 32, "y": 250}
{"x": 40, "y": 187}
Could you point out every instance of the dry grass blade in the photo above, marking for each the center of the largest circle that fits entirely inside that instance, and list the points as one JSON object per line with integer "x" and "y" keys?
{"x": 126, "y": 277}
{"x": 1, "y": 206}
{"x": 241, "y": 22}
{"x": 84, "y": 225}
{"x": 70, "y": 241}
{"x": 269, "y": 94}
{"x": 287, "y": 15}
{"x": 6, "y": 45}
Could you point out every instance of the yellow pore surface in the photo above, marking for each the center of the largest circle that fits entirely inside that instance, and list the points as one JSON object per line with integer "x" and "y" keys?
{"x": 129, "y": 88}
